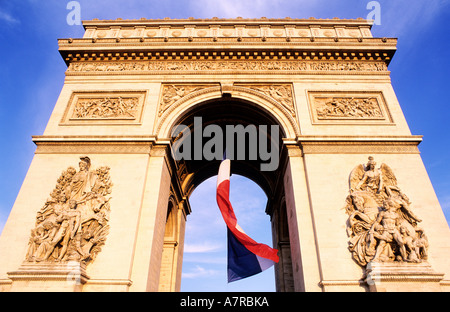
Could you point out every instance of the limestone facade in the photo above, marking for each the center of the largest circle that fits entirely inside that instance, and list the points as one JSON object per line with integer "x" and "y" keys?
{"x": 326, "y": 84}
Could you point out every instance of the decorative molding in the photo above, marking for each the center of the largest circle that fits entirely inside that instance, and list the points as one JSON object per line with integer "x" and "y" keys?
{"x": 335, "y": 283}
{"x": 171, "y": 93}
{"x": 348, "y": 107}
{"x": 93, "y": 138}
{"x": 159, "y": 151}
{"x": 109, "y": 282}
{"x": 5, "y": 282}
{"x": 239, "y": 28}
{"x": 359, "y": 147}
{"x": 93, "y": 148}
{"x": 104, "y": 107}
{"x": 232, "y": 65}
{"x": 384, "y": 275}
{"x": 281, "y": 93}
{"x": 66, "y": 272}
{"x": 294, "y": 151}
{"x": 276, "y": 99}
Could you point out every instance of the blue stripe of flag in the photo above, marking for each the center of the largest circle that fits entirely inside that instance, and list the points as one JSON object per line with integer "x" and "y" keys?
{"x": 242, "y": 262}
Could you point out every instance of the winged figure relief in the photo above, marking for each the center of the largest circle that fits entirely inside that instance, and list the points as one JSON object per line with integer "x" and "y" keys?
{"x": 381, "y": 225}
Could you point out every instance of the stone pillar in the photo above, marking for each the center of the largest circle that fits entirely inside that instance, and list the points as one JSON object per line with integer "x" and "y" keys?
{"x": 145, "y": 272}
{"x": 280, "y": 232}
{"x": 172, "y": 254}
{"x": 305, "y": 259}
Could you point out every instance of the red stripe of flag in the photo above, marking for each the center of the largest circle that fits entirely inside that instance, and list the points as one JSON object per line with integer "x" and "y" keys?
{"x": 223, "y": 195}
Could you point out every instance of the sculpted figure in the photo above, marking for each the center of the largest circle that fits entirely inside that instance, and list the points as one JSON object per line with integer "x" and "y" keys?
{"x": 371, "y": 180}
{"x": 379, "y": 244}
{"x": 362, "y": 210}
{"x": 381, "y": 224}
{"x": 392, "y": 230}
{"x": 70, "y": 228}
{"x": 421, "y": 244}
{"x": 73, "y": 223}
{"x": 82, "y": 181}
{"x": 41, "y": 238}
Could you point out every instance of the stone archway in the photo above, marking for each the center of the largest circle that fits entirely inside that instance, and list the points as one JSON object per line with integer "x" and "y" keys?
{"x": 230, "y": 111}
{"x": 278, "y": 99}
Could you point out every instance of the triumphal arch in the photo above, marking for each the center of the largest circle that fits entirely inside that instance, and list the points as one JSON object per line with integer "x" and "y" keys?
{"x": 104, "y": 204}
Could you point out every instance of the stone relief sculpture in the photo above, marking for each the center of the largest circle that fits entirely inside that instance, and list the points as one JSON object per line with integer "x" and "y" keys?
{"x": 73, "y": 223}
{"x": 108, "y": 107}
{"x": 381, "y": 225}
{"x": 348, "y": 108}
{"x": 172, "y": 93}
{"x": 226, "y": 65}
{"x": 280, "y": 93}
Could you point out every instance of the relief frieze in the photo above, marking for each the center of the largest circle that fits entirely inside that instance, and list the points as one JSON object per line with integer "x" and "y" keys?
{"x": 107, "y": 107}
{"x": 151, "y": 67}
{"x": 348, "y": 108}
{"x": 104, "y": 107}
{"x": 343, "y": 106}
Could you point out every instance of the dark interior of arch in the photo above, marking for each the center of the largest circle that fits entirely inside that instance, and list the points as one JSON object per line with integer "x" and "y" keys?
{"x": 228, "y": 111}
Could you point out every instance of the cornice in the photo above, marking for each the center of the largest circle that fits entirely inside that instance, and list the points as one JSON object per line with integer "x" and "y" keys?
{"x": 235, "y": 43}
{"x": 228, "y": 21}
{"x": 374, "y": 49}
{"x": 359, "y": 144}
{"x": 360, "y": 138}
{"x": 226, "y": 38}
{"x": 92, "y": 138}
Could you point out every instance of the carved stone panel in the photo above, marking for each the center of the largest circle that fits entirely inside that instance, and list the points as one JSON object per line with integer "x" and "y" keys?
{"x": 172, "y": 93}
{"x": 381, "y": 225}
{"x": 342, "y": 107}
{"x": 281, "y": 93}
{"x": 223, "y": 66}
{"x": 122, "y": 107}
{"x": 73, "y": 223}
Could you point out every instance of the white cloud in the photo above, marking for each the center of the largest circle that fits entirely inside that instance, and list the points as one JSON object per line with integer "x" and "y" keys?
{"x": 199, "y": 271}
{"x": 203, "y": 247}
{"x": 8, "y": 18}
{"x": 398, "y": 17}
{"x": 207, "y": 259}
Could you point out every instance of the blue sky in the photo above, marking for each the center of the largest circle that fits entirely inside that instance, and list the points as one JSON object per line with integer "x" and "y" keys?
{"x": 205, "y": 255}
{"x": 32, "y": 75}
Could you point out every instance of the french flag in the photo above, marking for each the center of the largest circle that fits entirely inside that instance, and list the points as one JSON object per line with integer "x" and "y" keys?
{"x": 246, "y": 257}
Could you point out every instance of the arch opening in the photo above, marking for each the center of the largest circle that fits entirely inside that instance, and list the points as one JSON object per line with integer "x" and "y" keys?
{"x": 205, "y": 249}
{"x": 194, "y": 169}
{"x": 247, "y": 137}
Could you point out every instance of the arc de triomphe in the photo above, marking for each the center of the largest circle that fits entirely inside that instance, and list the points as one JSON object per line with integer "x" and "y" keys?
{"x": 103, "y": 206}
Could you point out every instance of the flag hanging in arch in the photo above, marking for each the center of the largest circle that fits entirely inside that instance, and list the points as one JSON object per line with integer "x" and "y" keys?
{"x": 246, "y": 257}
